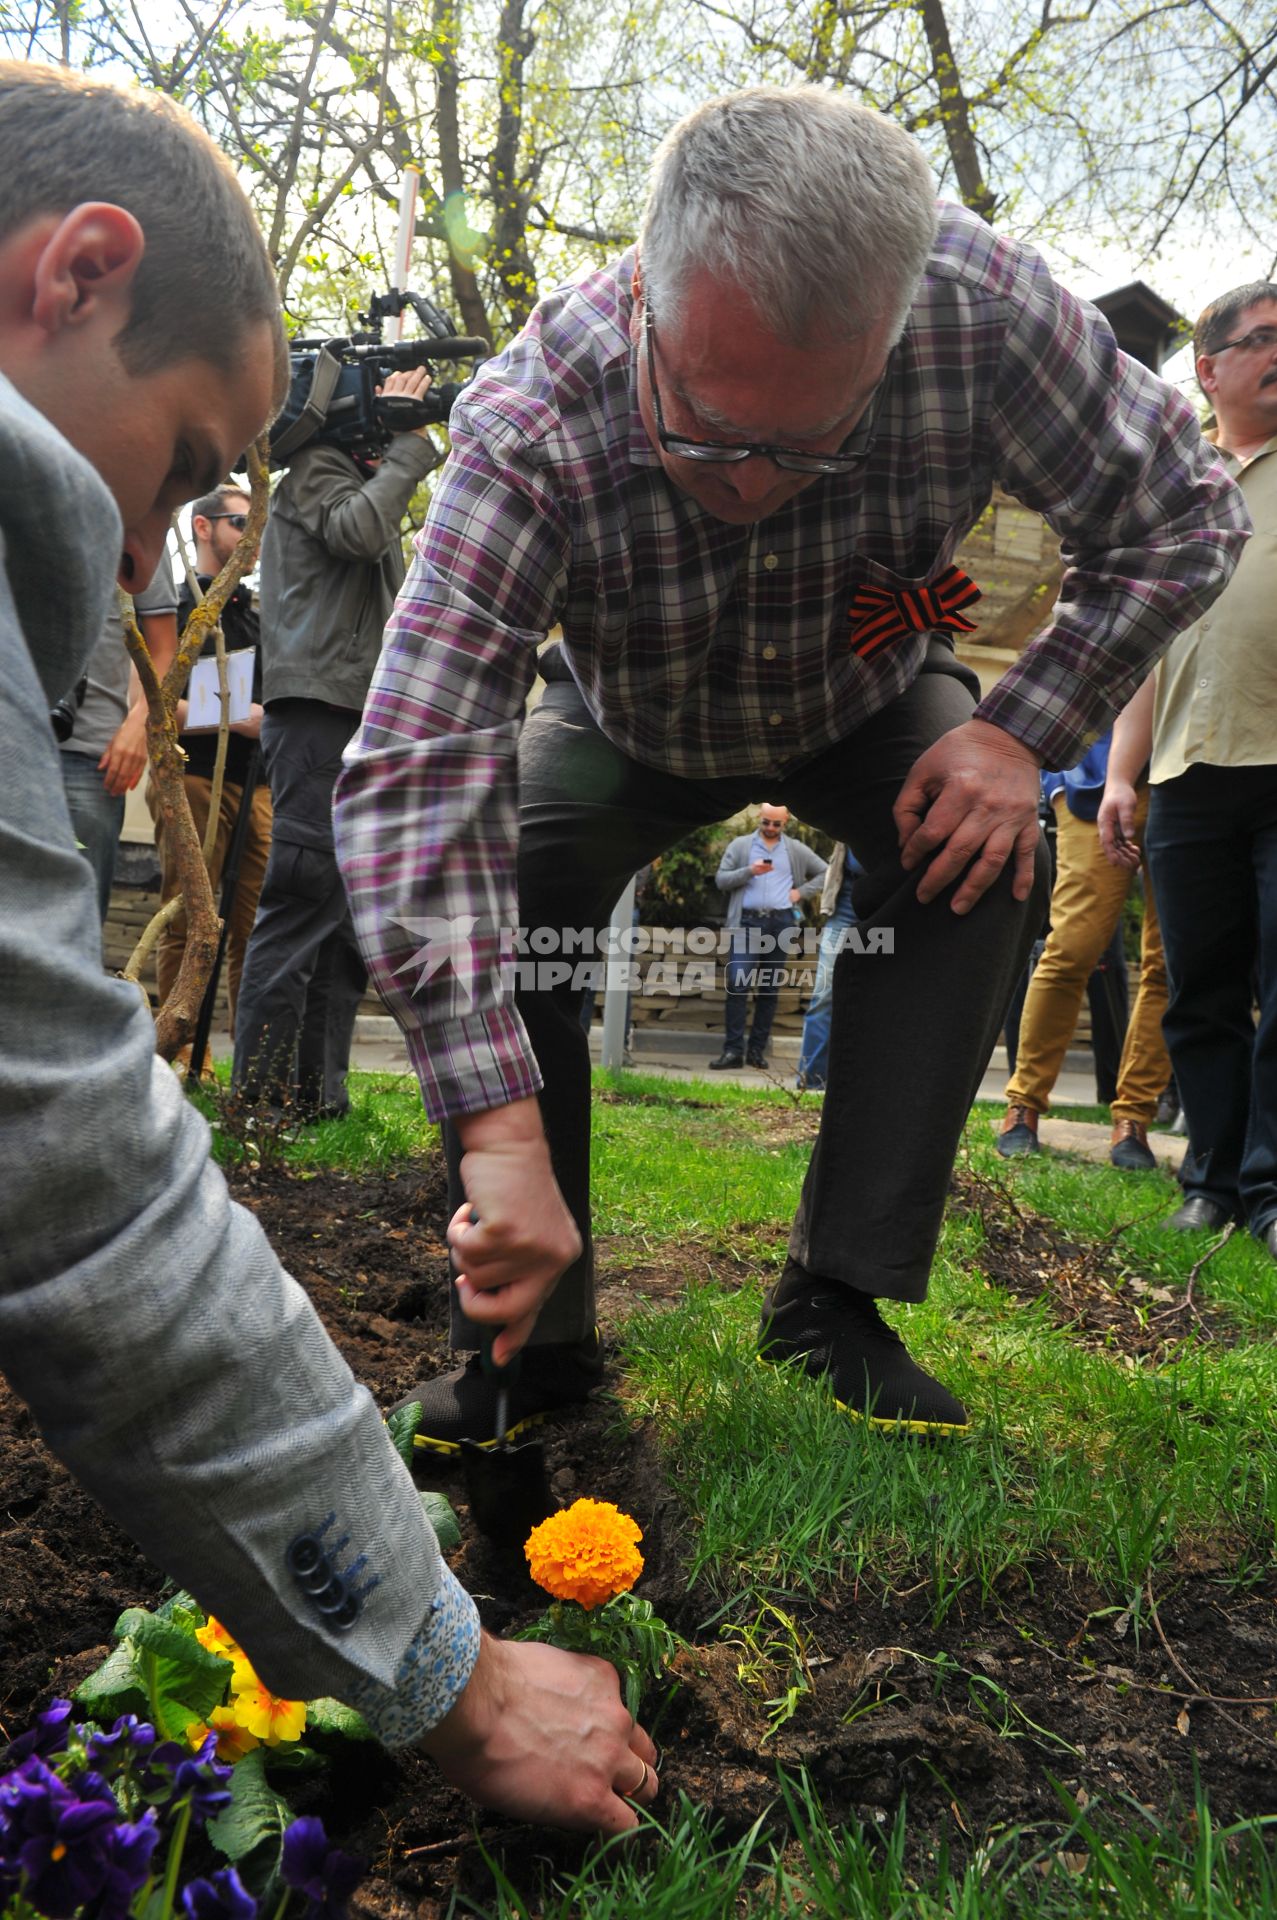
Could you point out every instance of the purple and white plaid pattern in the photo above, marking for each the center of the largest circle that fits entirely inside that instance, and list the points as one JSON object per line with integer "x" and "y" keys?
{"x": 707, "y": 649}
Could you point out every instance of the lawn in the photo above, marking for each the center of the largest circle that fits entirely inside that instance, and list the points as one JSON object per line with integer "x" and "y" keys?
{"x": 1030, "y": 1672}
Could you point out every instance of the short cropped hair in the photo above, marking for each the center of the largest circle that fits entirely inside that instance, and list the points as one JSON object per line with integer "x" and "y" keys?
{"x": 1217, "y": 321}
{"x": 205, "y": 278}
{"x": 209, "y": 505}
{"x": 821, "y": 210}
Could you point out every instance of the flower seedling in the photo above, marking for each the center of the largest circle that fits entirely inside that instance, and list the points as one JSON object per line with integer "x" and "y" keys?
{"x": 587, "y": 1558}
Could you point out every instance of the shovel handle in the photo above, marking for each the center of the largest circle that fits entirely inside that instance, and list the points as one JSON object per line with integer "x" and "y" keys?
{"x": 508, "y": 1374}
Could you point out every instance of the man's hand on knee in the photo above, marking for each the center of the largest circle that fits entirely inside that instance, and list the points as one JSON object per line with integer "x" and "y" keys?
{"x": 969, "y": 805}
{"x": 513, "y": 1236}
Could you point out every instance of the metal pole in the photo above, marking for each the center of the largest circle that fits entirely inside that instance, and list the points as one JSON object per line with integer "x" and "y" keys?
{"x": 616, "y": 993}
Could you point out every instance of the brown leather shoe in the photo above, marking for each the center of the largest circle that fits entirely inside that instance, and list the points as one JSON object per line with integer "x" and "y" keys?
{"x": 1018, "y": 1132}
{"x": 1129, "y": 1147}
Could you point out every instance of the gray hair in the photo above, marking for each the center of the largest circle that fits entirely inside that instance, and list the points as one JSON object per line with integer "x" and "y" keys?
{"x": 1216, "y": 322}
{"x": 822, "y": 210}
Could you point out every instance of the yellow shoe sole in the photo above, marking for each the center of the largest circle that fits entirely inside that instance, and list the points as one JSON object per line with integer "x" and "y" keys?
{"x": 940, "y": 1428}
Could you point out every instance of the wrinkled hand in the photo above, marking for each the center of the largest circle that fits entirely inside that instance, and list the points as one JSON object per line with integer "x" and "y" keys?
{"x": 969, "y": 805}
{"x": 510, "y": 1256}
{"x": 1116, "y": 822}
{"x": 122, "y": 763}
{"x": 542, "y": 1735}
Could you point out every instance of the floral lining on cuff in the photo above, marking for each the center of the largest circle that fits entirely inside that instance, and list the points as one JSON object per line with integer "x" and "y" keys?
{"x": 436, "y": 1666}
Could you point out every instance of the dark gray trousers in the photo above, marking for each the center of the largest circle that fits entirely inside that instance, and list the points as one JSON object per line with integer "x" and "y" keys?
{"x": 912, "y": 1027}
{"x": 303, "y": 976}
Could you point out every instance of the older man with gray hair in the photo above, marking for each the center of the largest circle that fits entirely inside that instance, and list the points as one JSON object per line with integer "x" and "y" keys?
{"x": 734, "y": 466}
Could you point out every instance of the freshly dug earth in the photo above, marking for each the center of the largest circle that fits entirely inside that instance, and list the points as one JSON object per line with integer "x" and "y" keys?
{"x": 971, "y": 1721}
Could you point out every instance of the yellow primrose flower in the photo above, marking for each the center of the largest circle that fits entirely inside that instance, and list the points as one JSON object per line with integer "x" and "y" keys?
{"x": 233, "y": 1740}
{"x": 214, "y": 1638}
{"x": 271, "y": 1719}
{"x": 588, "y": 1552}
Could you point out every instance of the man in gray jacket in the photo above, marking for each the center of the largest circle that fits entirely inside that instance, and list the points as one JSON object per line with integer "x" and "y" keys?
{"x": 331, "y": 566}
{"x": 173, "y": 1366}
{"x": 764, "y": 875}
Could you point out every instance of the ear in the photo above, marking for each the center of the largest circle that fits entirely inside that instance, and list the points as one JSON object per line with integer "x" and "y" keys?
{"x": 636, "y": 282}
{"x": 201, "y": 529}
{"x": 87, "y": 267}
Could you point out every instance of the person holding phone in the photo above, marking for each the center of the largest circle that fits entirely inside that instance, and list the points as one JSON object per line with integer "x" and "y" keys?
{"x": 766, "y": 875}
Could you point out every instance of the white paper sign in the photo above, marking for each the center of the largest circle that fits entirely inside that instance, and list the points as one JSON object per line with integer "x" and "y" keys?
{"x": 204, "y": 703}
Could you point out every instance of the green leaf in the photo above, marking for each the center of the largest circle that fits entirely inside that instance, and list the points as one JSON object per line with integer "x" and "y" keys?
{"x": 438, "y": 1512}
{"x": 115, "y": 1687}
{"x": 402, "y": 1426}
{"x": 255, "y": 1820}
{"x": 294, "y": 1760}
{"x": 332, "y": 1716}
{"x": 184, "y": 1682}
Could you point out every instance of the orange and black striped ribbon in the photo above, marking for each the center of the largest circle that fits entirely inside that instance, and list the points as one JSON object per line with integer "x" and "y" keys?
{"x": 878, "y": 616}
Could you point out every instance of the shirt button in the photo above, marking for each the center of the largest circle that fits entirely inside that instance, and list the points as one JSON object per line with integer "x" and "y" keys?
{"x": 775, "y": 719}
{"x": 770, "y": 562}
{"x": 769, "y": 653}
{"x": 1203, "y": 683}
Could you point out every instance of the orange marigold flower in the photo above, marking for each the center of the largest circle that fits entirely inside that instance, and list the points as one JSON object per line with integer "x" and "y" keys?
{"x": 588, "y": 1552}
{"x": 271, "y": 1719}
{"x": 233, "y": 1740}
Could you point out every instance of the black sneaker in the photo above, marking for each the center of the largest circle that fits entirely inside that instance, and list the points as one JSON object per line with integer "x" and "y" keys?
{"x": 727, "y": 1060}
{"x": 838, "y": 1332}
{"x": 462, "y": 1405}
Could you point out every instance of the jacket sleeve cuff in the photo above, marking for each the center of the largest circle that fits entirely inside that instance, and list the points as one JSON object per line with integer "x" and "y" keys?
{"x": 435, "y": 1668}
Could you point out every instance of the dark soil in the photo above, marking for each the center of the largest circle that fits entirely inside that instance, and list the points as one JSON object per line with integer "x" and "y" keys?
{"x": 972, "y": 1721}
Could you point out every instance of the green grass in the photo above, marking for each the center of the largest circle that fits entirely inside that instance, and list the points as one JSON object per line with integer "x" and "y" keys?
{"x": 1084, "y": 1867}
{"x": 1112, "y": 1467}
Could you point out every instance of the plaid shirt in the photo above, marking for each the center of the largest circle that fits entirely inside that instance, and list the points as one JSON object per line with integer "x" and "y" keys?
{"x": 708, "y": 649}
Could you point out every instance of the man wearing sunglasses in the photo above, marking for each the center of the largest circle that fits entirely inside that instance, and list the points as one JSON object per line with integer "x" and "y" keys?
{"x": 217, "y": 520}
{"x": 734, "y": 466}
{"x": 1208, "y": 719}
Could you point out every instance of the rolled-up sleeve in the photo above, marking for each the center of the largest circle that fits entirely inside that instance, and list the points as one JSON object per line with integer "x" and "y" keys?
{"x": 426, "y": 808}
{"x": 1151, "y": 525}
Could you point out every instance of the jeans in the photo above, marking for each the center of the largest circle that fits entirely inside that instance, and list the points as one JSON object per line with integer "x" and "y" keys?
{"x": 96, "y": 817}
{"x": 917, "y": 1013}
{"x": 1212, "y": 846}
{"x": 303, "y": 974}
{"x": 756, "y": 962}
{"x": 813, "y": 1057}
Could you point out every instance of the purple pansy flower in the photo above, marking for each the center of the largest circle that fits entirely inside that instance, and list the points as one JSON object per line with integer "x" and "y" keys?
{"x": 174, "y": 1774}
{"x": 128, "y": 1862}
{"x": 224, "y": 1897}
{"x": 48, "y": 1735}
{"x": 129, "y": 1740}
{"x": 59, "y": 1843}
{"x": 325, "y": 1874}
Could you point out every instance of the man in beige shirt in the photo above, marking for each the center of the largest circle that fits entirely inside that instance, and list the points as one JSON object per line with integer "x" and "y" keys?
{"x": 1208, "y": 719}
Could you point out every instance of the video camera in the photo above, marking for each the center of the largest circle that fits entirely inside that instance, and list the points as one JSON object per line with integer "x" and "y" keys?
{"x": 333, "y": 394}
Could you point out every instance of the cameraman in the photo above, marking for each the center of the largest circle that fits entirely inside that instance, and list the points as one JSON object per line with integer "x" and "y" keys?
{"x": 100, "y": 726}
{"x": 331, "y": 566}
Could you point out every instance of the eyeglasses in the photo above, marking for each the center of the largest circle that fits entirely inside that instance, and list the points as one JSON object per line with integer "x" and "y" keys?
{"x": 720, "y": 452}
{"x": 1261, "y": 339}
{"x": 238, "y": 520}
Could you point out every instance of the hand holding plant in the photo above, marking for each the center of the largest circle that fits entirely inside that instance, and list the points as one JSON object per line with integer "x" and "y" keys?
{"x": 587, "y": 1558}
